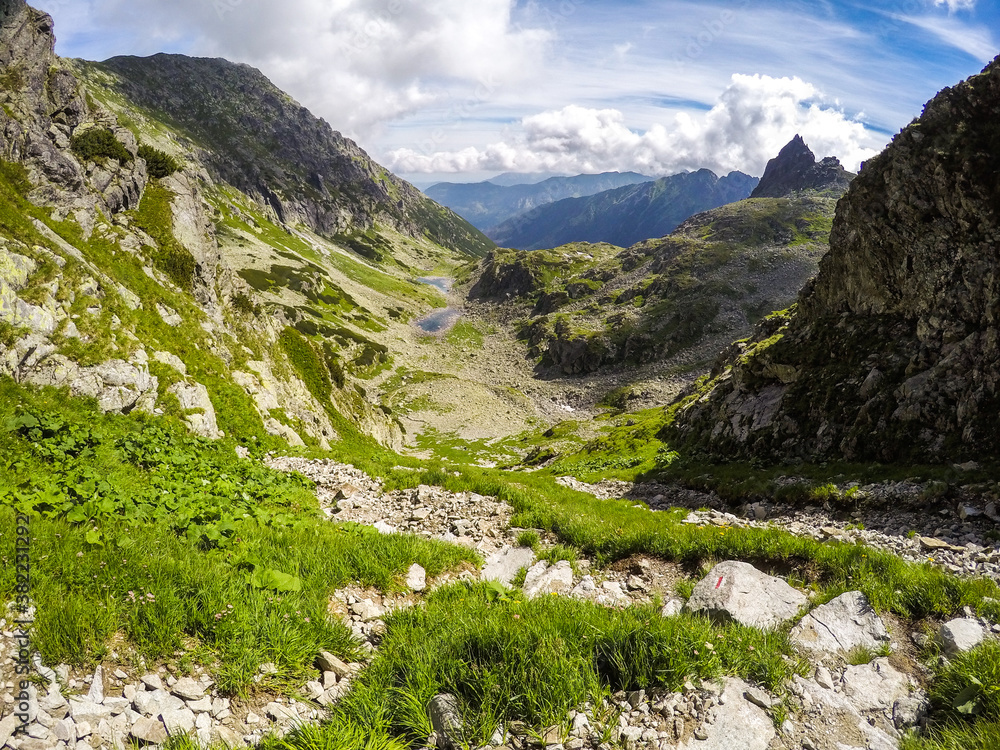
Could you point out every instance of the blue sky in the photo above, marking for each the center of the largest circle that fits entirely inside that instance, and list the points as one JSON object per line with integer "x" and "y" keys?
{"x": 460, "y": 90}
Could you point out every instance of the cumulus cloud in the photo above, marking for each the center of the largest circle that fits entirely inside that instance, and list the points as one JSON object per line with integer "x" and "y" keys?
{"x": 754, "y": 117}
{"x": 359, "y": 62}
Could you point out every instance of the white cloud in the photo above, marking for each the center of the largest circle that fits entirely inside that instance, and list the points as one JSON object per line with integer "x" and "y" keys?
{"x": 754, "y": 117}
{"x": 975, "y": 41}
{"x": 359, "y": 62}
{"x": 956, "y": 5}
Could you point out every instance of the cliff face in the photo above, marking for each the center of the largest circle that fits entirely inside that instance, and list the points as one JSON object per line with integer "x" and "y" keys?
{"x": 894, "y": 351}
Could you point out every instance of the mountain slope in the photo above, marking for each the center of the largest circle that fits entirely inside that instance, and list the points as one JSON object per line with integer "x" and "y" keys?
{"x": 676, "y": 300}
{"x": 164, "y": 263}
{"x": 294, "y": 162}
{"x": 487, "y": 204}
{"x": 625, "y": 215}
{"x": 893, "y": 352}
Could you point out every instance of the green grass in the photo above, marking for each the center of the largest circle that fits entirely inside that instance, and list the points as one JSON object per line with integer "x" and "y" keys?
{"x": 176, "y": 545}
{"x": 532, "y": 661}
{"x": 155, "y": 217}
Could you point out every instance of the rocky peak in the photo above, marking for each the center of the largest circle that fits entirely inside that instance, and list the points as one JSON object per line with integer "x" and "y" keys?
{"x": 795, "y": 168}
{"x": 894, "y": 352}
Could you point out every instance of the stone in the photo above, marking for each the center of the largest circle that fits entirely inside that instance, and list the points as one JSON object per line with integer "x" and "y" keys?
{"x": 171, "y": 360}
{"x": 178, "y": 721}
{"x": 738, "y": 725}
{"x": 152, "y": 681}
{"x": 672, "y": 607}
{"x": 503, "y": 566}
{"x": 416, "y": 578}
{"x": 225, "y": 736}
{"x": 544, "y": 579}
{"x": 910, "y": 711}
{"x": 327, "y": 662}
{"x": 149, "y": 730}
{"x": 199, "y": 413}
{"x": 83, "y": 729}
{"x": 823, "y": 678}
{"x": 188, "y": 689}
{"x": 736, "y": 591}
{"x": 937, "y": 545}
{"x": 960, "y": 635}
{"x": 281, "y": 713}
{"x": 758, "y": 697}
{"x": 840, "y": 625}
{"x": 382, "y": 527}
{"x": 875, "y": 686}
{"x": 201, "y": 706}
{"x": 156, "y": 702}
{"x": 64, "y": 730}
{"x": 85, "y": 710}
{"x": 367, "y": 610}
{"x": 446, "y": 720}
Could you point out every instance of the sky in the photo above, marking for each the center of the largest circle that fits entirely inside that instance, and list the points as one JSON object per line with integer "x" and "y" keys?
{"x": 462, "y": 90}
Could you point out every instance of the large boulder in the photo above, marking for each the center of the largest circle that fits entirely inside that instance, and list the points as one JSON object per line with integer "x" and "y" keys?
{"x": 960, "y": 635}
{"x": 738, "y": 592}
{"x": 845, "y": 623}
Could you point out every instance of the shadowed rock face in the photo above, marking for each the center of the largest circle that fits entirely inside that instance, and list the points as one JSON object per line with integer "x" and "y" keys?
{"x": 795, "y": 168}
{"x": 894, "y": 352}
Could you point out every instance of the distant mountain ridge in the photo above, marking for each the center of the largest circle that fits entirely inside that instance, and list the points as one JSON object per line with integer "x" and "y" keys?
{"x": 487, "y": 204}
{"x": 626, "y": 215}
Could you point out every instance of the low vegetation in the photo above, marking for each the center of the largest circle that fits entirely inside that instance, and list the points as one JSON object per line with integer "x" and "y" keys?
{"x": 98, "y": 144}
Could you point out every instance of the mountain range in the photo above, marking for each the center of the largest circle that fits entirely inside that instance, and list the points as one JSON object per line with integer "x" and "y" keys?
{"x": 625, "y": 215}
{"x": 487, "y": 204}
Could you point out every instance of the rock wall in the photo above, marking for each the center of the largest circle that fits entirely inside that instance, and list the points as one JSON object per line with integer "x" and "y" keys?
{"x": 894, "y": 352}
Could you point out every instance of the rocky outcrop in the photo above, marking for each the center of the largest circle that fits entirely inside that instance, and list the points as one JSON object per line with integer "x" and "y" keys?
{"x": 894, "y": 351}
{"x": 795, "y": 169}
{"x": 44, "y": 107}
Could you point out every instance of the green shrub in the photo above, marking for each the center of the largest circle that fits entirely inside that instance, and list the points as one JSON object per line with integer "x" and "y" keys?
{"x": 243, "y": 304}
{"x": 158, "y": 163}
{"x": 100, "y": 143}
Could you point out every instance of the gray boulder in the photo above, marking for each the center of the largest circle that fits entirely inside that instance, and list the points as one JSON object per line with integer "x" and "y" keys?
{"x": 545, "y": 579}
{"x": 194, "y": 399}
{"x": 841, "y": 625}
{"x": 446, "y": 719}
{"x": 503, "y": 566}
{"x": 960, "y": 635}
{"x": 736, "y": 591}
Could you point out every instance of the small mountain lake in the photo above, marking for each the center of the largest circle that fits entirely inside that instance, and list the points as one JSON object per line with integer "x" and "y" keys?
{"x": 443, "y": 319}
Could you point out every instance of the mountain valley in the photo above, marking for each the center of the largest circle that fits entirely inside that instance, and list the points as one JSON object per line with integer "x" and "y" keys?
{"x": 295, "y": 457}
